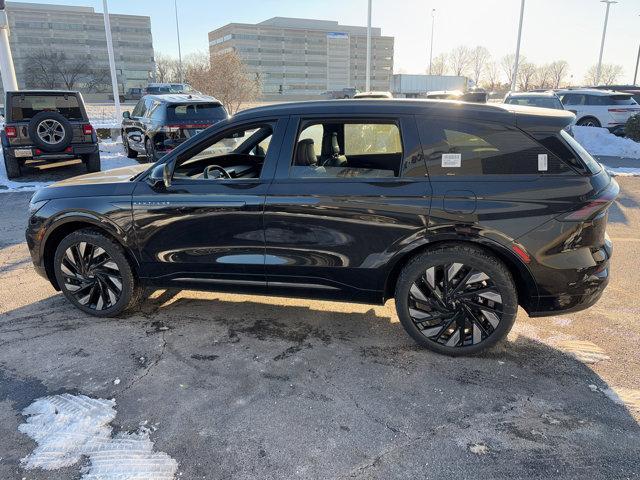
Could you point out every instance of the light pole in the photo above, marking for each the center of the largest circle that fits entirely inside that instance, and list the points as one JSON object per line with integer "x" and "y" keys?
{"x": 112, "y": 61}
{"x": 7, "y": 71}
{"x": 175, "y": 6}
{"x": 635, "y": 75}
{"x": 433, "y": 22}
{"x": 515, "y": 66}
{"x": 368, "y": 68}
{"x": 604, "y": 34}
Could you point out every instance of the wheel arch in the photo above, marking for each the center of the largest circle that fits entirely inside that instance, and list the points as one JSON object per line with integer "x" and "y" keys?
{"x": 589, "y": 116}
{"x": 68, "y": 225}
{"x": 525, "y": 284}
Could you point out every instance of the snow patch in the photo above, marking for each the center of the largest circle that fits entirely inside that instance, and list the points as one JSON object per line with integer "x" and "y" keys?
{"x": 67, "y": 427}
{"x": 599, "y": 141}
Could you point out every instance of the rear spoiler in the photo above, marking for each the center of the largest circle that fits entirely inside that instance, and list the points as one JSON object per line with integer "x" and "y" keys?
{"x": 546, "y": 120}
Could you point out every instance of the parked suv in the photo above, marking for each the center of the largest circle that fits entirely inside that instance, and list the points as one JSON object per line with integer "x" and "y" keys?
{"x": 159, "y": 123}
{"x": 47, "y": 125}
{"x": 600, "y": 108}
{"x": 461, "y": 212}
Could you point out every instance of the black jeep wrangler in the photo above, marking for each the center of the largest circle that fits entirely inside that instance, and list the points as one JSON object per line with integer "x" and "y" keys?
{"x": 47, "y": 125}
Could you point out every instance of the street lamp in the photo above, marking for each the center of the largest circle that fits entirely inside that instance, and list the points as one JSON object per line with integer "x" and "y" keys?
{"x": 175, "y": 6}
{"x": 515, "y": 66}
{"x": 112, "y": 61}
{"x": 604, "y": 34}
{"x": 635, "y": 75}
{"x": 368, "y": 68}
{"x": 433, "y": 21}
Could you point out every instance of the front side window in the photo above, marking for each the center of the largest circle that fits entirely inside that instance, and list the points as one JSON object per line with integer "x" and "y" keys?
{"x": 337, "y": 149}
{"x": 237, "y": 154}
{"x": 454, "y": 148}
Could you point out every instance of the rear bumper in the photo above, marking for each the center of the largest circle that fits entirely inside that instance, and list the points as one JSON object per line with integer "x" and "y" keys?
{"x": 76, "y": 150}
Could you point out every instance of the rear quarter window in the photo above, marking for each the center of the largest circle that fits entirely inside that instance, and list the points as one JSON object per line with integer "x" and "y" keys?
{"x": 455, "y": 148}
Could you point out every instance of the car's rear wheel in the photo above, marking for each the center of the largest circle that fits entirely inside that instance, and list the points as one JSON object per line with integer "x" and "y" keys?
{"x": 456, "y": 300}
{"x": 92, "y": 162}
{"x": 12, "y": 166}
{"x": 588, "y": 122}
{"x": 94, "y": 274}
{"x": 128, "y": 150}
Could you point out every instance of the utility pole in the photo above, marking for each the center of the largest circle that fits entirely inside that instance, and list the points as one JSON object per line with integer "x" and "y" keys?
{"x": 175, "y": 6}
{"x": 112, "y": 61}
{"x": 515, "y": 67}
{"x": 368, "y": 70}
{"x": 433, "y": 22}
{"x": 604, "y": 34}
{"x": 7, "y": 71}
{"x": 635, "y": 75}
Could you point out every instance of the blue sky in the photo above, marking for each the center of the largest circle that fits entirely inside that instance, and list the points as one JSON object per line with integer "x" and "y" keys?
{"x": 553, "y": 29}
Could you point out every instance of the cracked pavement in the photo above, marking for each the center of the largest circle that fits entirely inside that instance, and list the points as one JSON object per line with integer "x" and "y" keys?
{"x": 249, "y": 387}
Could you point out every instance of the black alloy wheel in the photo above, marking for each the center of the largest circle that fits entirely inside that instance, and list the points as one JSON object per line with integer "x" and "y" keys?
{"x": 456, "y": 300}
{"x": 94, "y": 274}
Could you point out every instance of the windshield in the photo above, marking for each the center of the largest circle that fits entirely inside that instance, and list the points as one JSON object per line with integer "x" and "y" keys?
{"x": 195, "y": 111}
{"x": 24, "y": 107}
{"x": 543, "y": 102}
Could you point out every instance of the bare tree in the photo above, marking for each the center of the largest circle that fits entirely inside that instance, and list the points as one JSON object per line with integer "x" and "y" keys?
{"x": 51, "y": 69}
{"x": 439, "y": 65}
{"x": 40, "y": 70}
{"x": 609, "y": 74}
{"x": 526, "y": 74}
{"x": 167, "y": 68}
{"x": 492, "y": 75}
{"x": 559, "y": 70}
{"x": 223, "y": 76}
{"x": 543, "y": 77}
{"x": 479, "y": 58}
{"x": 508, "y": 63}
{"x": 460, "y": 60}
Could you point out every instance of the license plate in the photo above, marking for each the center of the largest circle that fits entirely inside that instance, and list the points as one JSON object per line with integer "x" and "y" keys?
{"x": 23, "y": 152}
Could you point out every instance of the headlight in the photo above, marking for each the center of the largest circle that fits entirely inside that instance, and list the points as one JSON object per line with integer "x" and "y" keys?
{"x": 35, "y": 206}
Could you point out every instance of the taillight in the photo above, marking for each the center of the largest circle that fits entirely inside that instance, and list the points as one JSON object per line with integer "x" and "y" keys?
{"x": 87, "y": 129}
{"x": 623, "y": 110}
{"x": 594, "y": 206}
{"x": 12, "y": 132}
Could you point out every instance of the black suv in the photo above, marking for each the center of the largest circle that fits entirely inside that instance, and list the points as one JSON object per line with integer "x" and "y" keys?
{"x": 159, "y": 123}
{"x": 47, "y": 125}
{"x": 459, "y": 211}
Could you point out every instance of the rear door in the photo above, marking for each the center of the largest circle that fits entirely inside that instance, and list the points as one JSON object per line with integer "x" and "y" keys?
{"x": 330, "y": 229}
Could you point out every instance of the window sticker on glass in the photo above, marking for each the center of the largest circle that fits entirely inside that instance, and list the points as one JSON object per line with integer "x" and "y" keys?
{"x": 543, "y": 162}
{"x": 451, "y": 160}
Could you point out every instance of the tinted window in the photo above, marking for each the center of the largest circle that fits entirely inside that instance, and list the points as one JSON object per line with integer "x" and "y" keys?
{"x": 592, "y": 165}
{"x": 453, "y": 148}
{"x": 195, "y": 111}
{"x": 24, "y": 107}
{"x": 573, "y": 99}
{"x": 337, "y": 149}
{"x": 621, "y": 100}
{"x": 139, "y": 109}
{"x": 544, "y": 102}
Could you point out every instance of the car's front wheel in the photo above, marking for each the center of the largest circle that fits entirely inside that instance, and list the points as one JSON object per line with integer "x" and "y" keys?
{"x": 94, "y": 274}
{"x": 149, "y": 150}
{"x": 456, "y": 300}
{"x": 588, "y": 122}
{"x": 131, "y": 153}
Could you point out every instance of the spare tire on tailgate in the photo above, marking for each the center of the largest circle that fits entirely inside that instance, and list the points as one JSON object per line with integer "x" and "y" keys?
{"x": 50, "y": 131}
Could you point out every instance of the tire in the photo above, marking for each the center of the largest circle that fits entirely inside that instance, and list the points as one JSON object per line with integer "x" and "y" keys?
{"x": 149, "y": 151}
{"x": 128, "y": 150}
{"x": 92, "y": 162}
{"x": 121, "y": 98}
{"x": 12, "y": 166}
{"x": 588, "y": 122}
{"x": 59, "y": 140}
{"x": 434, "y": 319}
{"x": 103, "y": 282}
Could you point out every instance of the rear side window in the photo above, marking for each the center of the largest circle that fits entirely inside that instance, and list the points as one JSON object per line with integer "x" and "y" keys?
{"x": 621, "y": 100}
{"x": 195, "y": 111}
{"x": 592, "y": 165}
{"x": 543, "y": 102}
{"x": 24, "y": 107}
{"x": 453, "y": 148}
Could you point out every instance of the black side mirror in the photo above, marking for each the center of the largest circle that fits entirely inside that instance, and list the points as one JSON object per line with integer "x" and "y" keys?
{"x": 160, "y": 177}
{"x": 126, "y": 114}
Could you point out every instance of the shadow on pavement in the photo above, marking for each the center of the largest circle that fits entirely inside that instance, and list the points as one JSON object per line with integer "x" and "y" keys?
{"x": 244, "y": 389}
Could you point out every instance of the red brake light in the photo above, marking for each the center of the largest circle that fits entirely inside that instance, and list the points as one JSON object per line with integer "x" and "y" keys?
{"x": 38, "y": 151}
{"x": 12, "y": 132}
{"x": 87, "y": 129}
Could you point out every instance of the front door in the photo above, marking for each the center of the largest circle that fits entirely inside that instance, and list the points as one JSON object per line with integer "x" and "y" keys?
{"x": 206, "y": 227}
{"x": 349, "y": 194}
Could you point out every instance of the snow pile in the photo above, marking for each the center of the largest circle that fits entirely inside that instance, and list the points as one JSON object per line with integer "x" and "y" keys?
{"x": 67, "y": 427}
{"x": 599, "y": 141}
{"x": 111, "y": 156}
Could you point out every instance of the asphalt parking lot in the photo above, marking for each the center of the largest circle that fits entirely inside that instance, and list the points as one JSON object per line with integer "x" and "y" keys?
{"x": 251, "y": 387}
